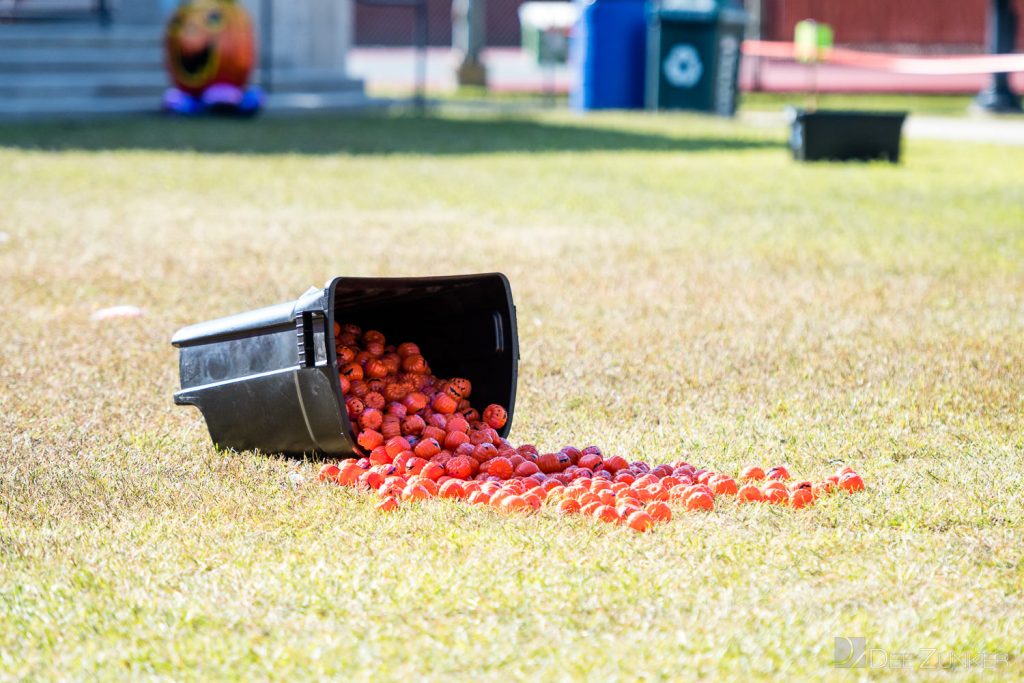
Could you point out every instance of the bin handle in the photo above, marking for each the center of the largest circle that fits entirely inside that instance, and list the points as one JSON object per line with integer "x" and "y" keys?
{"x": 304, "y": 333}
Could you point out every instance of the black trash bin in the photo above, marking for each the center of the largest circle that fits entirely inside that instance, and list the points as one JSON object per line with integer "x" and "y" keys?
{"x": 831, "y": 135}
{"x": 268, "y": 379}
{"x": 693, "y": 55}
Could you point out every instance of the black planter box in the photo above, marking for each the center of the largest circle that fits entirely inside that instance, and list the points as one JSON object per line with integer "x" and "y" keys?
{"x": 268, "y": 379}
{"x": 845, "y": 135}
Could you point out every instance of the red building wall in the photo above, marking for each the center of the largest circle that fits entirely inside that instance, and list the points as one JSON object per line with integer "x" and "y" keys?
{"x": 394, "y": 26}
{"x": 927, "y": 22}
{"x": 941, "y": 22}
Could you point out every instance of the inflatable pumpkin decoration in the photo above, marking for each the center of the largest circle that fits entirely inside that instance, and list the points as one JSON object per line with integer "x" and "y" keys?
{"x": 210, "y": 51}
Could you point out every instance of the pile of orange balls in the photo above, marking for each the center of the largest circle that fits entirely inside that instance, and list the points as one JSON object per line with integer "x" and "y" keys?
{"x": 423, "y": 439}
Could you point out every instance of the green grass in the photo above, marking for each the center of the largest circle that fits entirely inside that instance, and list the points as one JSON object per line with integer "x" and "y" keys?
{"x": 927, "y": 105}
{"x": 682, "y": 287}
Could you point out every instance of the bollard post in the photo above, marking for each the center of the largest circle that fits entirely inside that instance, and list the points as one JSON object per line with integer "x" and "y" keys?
{"x": 1001, "y": 36}
{"x": 468, "y": 41}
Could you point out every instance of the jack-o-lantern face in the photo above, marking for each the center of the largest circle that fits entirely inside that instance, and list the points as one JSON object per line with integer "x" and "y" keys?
{"x": 209, "y": 42}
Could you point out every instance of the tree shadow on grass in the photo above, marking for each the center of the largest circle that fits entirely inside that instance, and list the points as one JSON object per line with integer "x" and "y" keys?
{"x": 359, "y": 135}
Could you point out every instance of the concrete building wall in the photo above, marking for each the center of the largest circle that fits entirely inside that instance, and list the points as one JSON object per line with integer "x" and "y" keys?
{"x": 307, "y": 34}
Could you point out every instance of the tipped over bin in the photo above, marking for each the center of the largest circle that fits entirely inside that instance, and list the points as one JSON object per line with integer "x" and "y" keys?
{"x": 268, "y": 379}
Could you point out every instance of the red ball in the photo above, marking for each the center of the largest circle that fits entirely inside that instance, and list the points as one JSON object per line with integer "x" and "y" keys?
{"x": 354, "y": 406}
{"x": 445, "y": 404}
{"x": 427, "y": 448}
{"x": 459, "y": 388}
{"x": 459, "y": 468}
{"x": 500, "y": 467}
{"x": 495, "y": 416}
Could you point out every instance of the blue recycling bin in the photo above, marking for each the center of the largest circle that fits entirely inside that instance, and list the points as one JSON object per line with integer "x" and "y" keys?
{"x": 607, "y": 51}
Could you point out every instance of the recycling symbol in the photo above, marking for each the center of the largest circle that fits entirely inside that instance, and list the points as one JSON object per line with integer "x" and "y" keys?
{"x": 682, "y": 66}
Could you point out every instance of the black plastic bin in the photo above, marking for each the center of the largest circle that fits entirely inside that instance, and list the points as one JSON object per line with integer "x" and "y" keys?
{"x": 268, "y": 379}
{"x": 830, "y": 135}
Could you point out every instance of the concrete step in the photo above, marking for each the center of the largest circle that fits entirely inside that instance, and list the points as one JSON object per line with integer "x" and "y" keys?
{"x": 307, "y": 81}
{"x": 79, "y": 59}
{"x": 76, "y": 35}
{"x": 355, "y": 99}
{"x": 75, "y": 107}
{"x": 152, "y": 82}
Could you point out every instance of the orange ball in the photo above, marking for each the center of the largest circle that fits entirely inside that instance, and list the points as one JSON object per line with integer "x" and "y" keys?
{"x": 349, "y": 474}
{"x": 459, "y": 467}
{"x": 352, "y": 371}
{"x": 415, "y": 492}
{"x": 445, "y": 404}
{"x": 346, "y": 354}
{"x": 660, "y": 512}
{"x": 533, "y": 500}
{"x": 640, "y": 521}
{"x": 700, "y": 501}
{"x": 329, "y": 472}
{"x": 354, "y": 406}
{"x": 427, "y": 448}
{"x": 568, "y": 506}
{"x": 451, "y": 489}
{"x": 625, "y": 509}
{"x": 459, "y": 388}
{"x": 415, "y": 364}
{"x": 821, "y": 488}
{"x": 453, "y": 440}
{"x": 370, "y": 439}
{"x": 752, "y": 473}
{"x": 495, "y": 416}
{"x": 515, "y": 504}
{"x": 500, "y": 467}
{"x": 415, "y": 401}
{"x": 724, "y": 486}
{"x": 527, "y": 469}
{"x": 376, "y": 368}
{"x": 801, "y": 498}
{"x": 415, "y": 465}
{"x": 551, "y": 484}
{"x": 432, "y": 471}
{"x": 606, "y": 513}
{"x": 851, "y": 482}
{"x": 396, "y": 445}
{"x": 749, "y": 493}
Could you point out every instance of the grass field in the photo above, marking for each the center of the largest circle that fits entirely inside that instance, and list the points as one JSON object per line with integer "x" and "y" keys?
{"x": 682, "y": 288}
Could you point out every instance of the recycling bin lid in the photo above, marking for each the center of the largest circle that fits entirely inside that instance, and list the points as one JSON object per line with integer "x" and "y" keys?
{"x": 700, "y": 11}
{"x": 549, "y": 16}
